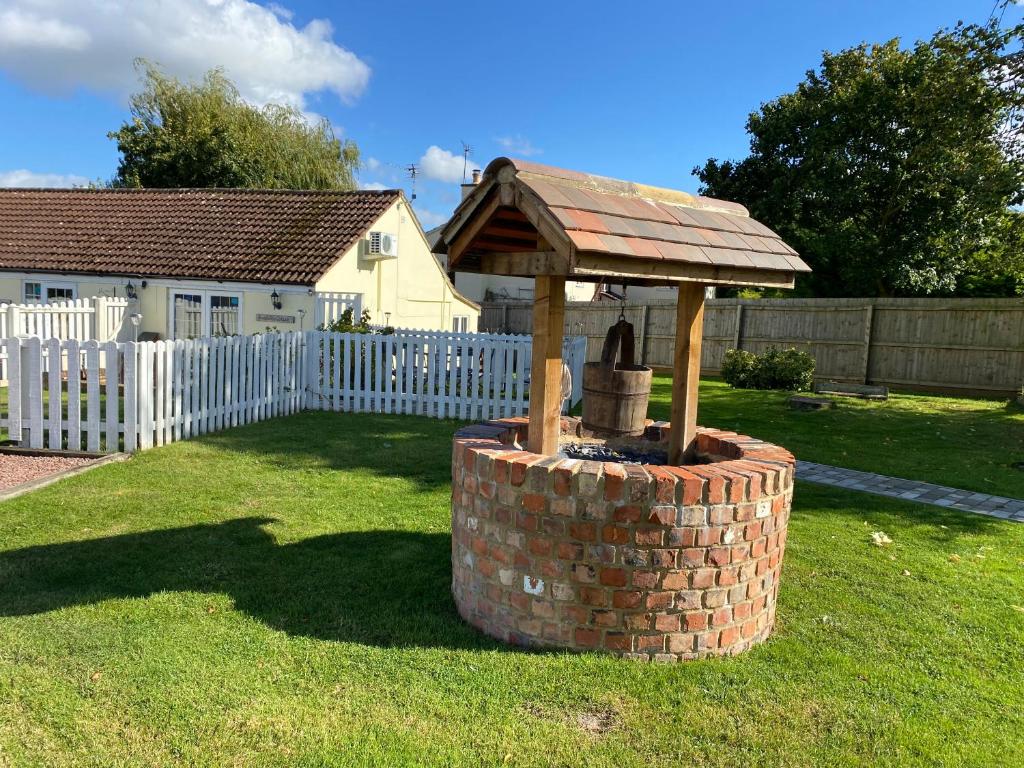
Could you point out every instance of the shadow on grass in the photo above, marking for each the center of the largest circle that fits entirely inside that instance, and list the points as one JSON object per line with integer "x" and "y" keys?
{"x": 385, "y": 588}
{"x": 413, "y": 448}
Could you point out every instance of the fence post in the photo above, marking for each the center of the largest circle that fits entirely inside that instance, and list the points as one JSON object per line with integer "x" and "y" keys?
{"x": 31, "y": 393}
{"x": 99, "y": 319}
{"x": 643, "y": 334}
{"x": 737, "y": 337}
{"x": 14, "y": 321}
{"x": 869, "y": 321}
{"x": 14, "y": 385}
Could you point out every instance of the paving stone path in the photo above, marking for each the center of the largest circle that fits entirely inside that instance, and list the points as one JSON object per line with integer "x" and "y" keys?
{"x": 912, "y": 490}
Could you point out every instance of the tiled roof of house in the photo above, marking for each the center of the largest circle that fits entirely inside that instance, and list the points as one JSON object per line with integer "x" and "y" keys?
{"x": 267, "y": 236}
{"x": 624, "y": 220}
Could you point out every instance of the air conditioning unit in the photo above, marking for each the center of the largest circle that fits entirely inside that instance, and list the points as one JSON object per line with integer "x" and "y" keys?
{"x": 382, "y": 245}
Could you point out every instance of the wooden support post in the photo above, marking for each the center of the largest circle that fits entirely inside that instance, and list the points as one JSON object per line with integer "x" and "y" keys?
{"x": 546, "y": 365}
{"x": 869, "y": 319}
{"x": 686, "y": 373}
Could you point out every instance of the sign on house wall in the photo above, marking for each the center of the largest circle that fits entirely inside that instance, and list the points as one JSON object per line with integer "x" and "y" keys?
{"x": 276, "y": 319}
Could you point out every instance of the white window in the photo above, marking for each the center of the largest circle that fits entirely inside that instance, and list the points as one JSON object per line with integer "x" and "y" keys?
{"x": 225, "y": 314}
{"x": 38, "y": 291}
{"x": 194, "y": 314}
{"x": 33, "y": 293}
{"x": 460, "y": 323}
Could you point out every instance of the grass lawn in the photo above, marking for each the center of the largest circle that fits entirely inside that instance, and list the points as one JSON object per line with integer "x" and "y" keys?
{"x": 279, "y": 595}
{"x": 965, "y": 443}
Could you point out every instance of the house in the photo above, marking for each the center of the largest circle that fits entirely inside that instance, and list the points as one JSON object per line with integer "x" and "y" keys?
{"x": 198, "y": 262}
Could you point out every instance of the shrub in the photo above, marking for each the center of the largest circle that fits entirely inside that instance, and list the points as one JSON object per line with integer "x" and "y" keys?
{"x": 788, "y": 369}
{"x": 738, "y": 368}
{"x": 345, "y": 323}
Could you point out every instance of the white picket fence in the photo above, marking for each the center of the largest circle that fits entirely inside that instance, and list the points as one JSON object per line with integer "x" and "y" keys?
{"x": 100, "y": 318}
{"x": 96, "y": 396}
{"x": 330, "y": 305}
{"x": 130, "y": 396}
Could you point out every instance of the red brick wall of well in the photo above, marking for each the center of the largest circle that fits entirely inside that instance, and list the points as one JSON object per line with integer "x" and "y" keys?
{"x": 648, "y": 562}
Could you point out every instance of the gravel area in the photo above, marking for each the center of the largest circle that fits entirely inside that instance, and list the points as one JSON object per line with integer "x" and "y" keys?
{"x": 15, "y": 469}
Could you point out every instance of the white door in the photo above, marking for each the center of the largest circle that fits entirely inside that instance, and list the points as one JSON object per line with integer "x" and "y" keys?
{"x": 194, "y": 314}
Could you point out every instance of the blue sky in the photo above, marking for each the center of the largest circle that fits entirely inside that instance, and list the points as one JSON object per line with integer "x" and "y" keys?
{"x": 643, "y": 91}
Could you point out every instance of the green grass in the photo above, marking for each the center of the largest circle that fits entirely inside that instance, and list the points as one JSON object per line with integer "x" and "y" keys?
{"x": 279, "y": 595}
{"x": 965, "y": 443}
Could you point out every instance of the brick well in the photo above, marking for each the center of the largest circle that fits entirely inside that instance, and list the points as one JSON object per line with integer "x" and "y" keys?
{"x": 649, "y": 562}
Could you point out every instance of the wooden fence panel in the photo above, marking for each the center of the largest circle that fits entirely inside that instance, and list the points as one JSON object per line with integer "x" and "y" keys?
{"x": 973, "y": 346}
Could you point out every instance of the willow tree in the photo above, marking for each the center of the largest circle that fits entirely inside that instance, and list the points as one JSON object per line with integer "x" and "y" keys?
{"x": 891, "y": 168}
{"x": 204, "y": 134}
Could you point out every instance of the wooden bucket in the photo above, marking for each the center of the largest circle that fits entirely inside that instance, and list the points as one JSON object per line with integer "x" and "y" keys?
{"x": 615, "y": 394}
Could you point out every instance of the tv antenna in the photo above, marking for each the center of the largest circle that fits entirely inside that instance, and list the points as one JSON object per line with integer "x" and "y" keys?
{"x": 466, "y": 150}
{"x": 413, "y": 172}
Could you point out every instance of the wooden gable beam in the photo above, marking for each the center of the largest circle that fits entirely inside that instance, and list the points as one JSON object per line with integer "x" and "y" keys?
{"x": 543, "y": 221}
{"x": 472, "y": 228}
{"x": 474, "y": 201}
{"x": 524, "y": 264}
{"x": 586, "y": 265}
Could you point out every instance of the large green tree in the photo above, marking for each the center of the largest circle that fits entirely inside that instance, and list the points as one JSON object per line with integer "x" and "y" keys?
{"x": 889, "y": 168}
{"x": 204, "y": 134}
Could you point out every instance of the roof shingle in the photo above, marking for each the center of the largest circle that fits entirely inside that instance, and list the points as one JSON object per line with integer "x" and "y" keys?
{"x": 265, "y": 236}
{"x": 633, "y": 222}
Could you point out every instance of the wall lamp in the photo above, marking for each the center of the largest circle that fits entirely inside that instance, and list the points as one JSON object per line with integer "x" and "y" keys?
{"x": 275, "y": 300}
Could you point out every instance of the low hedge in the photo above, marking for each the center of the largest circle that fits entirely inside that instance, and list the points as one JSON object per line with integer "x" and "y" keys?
{"x": 788, "y": 369}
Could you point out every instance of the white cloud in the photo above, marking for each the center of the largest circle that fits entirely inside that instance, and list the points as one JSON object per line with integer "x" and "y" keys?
{"x": 24, "y": 178}
{"x": 442, "y": 165}
{"x": 280, "y": 11}
{"x": 518, "y": 145}
{"x": 371, "y": 164}
{"x": 373, "y": 185}
{"x": 430, "y": 219}
{"x": 60, "y": 45}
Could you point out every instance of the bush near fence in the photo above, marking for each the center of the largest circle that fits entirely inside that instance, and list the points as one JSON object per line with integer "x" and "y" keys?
{"x": 959, "y": 346}
{"x": 129, "y": 396}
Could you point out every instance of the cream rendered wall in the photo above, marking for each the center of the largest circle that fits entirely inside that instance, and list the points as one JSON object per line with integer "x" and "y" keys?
{"x": 12, "y": 285}
{"x": 153, "y": 300}
{"x": 10, "y": 290}
{"x": 154, "y": 304}
{"x": 476, "y": 286}
{"x": 413, "y": 288}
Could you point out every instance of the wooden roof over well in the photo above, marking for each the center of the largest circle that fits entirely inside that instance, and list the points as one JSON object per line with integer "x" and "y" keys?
{"x": 528, "y": 219}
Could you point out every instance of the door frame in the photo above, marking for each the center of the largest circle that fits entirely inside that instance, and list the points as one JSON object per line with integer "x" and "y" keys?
{"x": 204, "y": 294}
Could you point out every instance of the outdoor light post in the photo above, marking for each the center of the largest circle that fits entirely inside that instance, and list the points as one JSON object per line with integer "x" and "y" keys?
{"x": 136, "y": 318}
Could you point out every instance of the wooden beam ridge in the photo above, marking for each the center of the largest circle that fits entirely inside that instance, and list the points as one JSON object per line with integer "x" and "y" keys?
{"x": 482, "y": 214}
{"x": 682, "y": 438}
{"x": 524, "y": 264}
{"x": 546, "y": 364}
